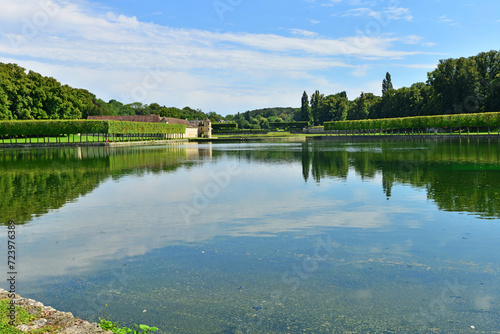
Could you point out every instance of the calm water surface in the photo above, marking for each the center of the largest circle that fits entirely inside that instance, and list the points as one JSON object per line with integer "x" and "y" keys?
{"x": 336, "y": 237}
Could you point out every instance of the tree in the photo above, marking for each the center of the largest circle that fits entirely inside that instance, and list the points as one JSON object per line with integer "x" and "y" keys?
{"x": 328, "y": 109}
{"x": 456, "y": 84}
{"x": 341, "y": 94}
{"x": 243, "y": 124}
{"x": 386, "y": 83}
{"x": 305, "y": 110}
{"x": 4, "y": 106}
{"x": 170, "y": 112}
{"x": 488, "y": 65}
{"x": 117, "y": 108}
{"x": 316, "y": 101}
{"x": 341, "y": 108}
{"x": 265, "y": 123}
{"x": 362, "y": 106}
{"x": 214, "y": 117}
{"x": 155, "y": 108}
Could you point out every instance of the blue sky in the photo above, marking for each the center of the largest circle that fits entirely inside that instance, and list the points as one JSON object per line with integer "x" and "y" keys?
{"x": 230, "y": 56}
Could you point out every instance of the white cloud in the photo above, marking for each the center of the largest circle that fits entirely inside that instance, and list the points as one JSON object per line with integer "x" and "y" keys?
{"x": 124, "y": 41}
{"x": 115, "y": 56}
{"x": 360, "y": 71}
{"x": 398, "y": 13}
{"x": 421, "y": 66}
{"x": 412, "y": 39}
{"x": 304, "y": 33}
{"x": 361, "y": 12}
{"x": 333, "y": 2}
{"x": 328, "y": 3}
{"x": 388, "y": 13}
{"x": 315, "y": 21}
{"x": 444, "y": 19}
{"x": 375, "y": 87}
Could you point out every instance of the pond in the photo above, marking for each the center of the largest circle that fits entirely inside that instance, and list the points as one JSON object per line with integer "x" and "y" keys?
{"x": 395, "y": 236}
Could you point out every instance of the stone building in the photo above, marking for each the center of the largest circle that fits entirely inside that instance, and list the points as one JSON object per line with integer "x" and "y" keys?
{"x": 194, "y": 129}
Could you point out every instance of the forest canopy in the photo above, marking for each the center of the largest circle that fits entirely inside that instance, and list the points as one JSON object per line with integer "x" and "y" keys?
{"x": 31, "y": 96}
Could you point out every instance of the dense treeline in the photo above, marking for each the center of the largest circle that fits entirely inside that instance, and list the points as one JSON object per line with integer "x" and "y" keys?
{"x": 136, "y": 108}
{"x": 456, "y": 86}
{"x": 31, "y": 96}
{"x": 262, "y": 118}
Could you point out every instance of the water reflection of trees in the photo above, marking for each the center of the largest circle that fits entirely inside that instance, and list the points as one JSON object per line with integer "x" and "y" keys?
{"x": 458, "y": 175}
{"x": 34, "y": 182}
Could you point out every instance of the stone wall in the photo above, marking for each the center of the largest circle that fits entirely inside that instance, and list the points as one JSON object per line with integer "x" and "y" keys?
{"x": 47, "y": 317}
{"x": 191, "y": 133}
{"x": 314, "y": 130}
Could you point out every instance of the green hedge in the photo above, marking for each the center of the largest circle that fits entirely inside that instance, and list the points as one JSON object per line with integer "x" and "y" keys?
{"x": 59, "y": 127}
{"x": 218, "y": 127}
{"x": 420, "y": 122}
{"x": 116, "y": 127}
{"x": 288, "y": 125}
{"x": 52, "y": 127}
{"x": 242, "y": 131}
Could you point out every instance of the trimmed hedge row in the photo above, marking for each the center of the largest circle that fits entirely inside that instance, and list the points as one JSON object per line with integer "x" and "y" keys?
{"x": 52, "y": 127}
{"x": 117, "y": 127}
{"x": 59, "y": 127}
{"x": 217, "y": 127}
{"x": 243, "y": 131}
{"x": 288, "y": 125}
{"x": 419, "y": 122}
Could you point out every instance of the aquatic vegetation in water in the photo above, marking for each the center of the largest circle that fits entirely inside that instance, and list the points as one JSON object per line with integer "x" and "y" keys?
{"x": 115, "y": 328}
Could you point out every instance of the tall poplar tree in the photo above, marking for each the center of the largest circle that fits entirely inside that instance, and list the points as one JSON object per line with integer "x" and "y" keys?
{"x": 387, "y": 83}
{"x": 316, "y": 104}
{"x": 305, "y": 110}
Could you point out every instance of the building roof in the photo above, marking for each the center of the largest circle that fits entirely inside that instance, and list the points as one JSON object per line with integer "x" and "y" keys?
{"x": 144, "y": 118}
{"x": 130, "y": 118}
{"x": 171, "y": 120}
